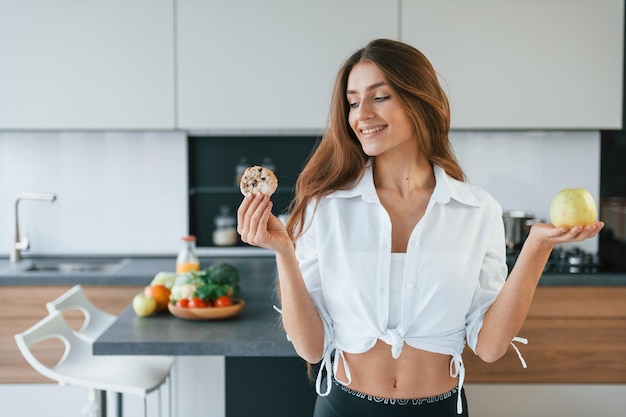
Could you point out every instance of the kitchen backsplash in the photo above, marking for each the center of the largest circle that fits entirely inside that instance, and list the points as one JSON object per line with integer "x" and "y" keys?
{"x": 117, "y": 192}
{"x": 128, "y": 192}
{"x": 524, "y": 170}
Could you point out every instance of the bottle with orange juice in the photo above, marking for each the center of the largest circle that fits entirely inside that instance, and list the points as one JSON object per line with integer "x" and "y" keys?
{"x": 187, "y": 260}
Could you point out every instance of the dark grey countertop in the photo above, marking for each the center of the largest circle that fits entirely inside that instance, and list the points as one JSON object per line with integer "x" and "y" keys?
{"x": 256, "y": 331}
{"x": 598, "y": 279}
{"x": 132, "y": 270}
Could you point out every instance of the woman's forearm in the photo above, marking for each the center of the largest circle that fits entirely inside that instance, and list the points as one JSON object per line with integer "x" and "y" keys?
{"x": 300, "y": 317}
{"x": 505, "y": 317}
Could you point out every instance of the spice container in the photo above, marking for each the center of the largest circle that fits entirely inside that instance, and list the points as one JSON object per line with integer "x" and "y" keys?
{"x": 187, "y": 259}
{"x": 225, "y": 233}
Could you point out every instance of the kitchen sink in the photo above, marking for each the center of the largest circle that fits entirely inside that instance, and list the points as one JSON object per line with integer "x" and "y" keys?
{"x": 68, "y": 266}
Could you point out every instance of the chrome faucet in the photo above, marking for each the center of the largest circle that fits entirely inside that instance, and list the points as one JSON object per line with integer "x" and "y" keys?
{"x": 19, "y": 244}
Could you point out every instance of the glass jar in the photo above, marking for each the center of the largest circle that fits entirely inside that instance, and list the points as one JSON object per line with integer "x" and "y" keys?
{"x": 187, "y": 259}
{"x": 225, "y": 233}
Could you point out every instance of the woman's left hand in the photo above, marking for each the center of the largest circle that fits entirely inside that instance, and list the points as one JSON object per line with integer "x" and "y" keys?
{"x": 548, "y": 236}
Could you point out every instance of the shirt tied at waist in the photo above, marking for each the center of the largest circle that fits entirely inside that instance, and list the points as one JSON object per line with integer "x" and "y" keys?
{"x": 393, "y": 338}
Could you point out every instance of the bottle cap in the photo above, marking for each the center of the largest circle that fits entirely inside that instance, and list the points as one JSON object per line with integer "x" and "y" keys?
{"x": 190, "y": 238}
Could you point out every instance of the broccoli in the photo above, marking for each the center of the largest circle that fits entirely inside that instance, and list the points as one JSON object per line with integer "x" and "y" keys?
{"x": 222, "y": 273}
{"x": 221, "y": 279}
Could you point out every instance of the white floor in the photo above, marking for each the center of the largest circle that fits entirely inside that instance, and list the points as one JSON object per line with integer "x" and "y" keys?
{"x": 485, "y": 400}
{"x": 50, "y": 400}
{"x": 546, "y": 400}
{"x": 199, "y": 390}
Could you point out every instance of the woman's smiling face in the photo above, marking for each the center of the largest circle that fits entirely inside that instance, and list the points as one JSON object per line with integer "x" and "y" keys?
{"x": 376, "y": 114}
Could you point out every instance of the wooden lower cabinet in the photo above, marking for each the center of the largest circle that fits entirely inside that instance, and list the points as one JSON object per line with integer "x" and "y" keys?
{"x": 23, "y": 306}
{"x": 575, "y": 335}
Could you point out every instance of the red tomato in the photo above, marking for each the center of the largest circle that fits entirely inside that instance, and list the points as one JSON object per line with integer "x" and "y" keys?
{"x": 196, "y": 302}
{"x": 183, "y": 302}
{"x": 223, "y": 301}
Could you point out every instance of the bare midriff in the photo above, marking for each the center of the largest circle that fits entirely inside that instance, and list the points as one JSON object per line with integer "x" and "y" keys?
{"x": 415, "y": 374}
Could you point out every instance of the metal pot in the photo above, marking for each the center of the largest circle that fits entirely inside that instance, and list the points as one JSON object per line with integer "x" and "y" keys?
{"x": 517, "y": 224}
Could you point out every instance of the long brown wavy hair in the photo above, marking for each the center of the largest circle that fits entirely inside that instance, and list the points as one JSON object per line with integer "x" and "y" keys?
{"x": 338, "y": 160}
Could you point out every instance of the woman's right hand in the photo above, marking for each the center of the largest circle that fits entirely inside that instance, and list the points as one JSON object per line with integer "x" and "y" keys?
{"x": 259, "y": 227}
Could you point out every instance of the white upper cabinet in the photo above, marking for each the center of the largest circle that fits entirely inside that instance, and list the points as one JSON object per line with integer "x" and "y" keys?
{"x": 537, "y": 64}
{"x": 250, "y": 65}
{"x": 86, "y": 64}
{"x": 258, "y": 65}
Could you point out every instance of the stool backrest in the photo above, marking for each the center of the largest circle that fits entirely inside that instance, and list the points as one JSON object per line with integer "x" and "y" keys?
{"x": 53, "y": 326}
{"x": 96, "y": 320}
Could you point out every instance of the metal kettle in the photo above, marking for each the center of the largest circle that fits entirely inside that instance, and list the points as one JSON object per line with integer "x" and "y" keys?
{"x": 517, "y": 224}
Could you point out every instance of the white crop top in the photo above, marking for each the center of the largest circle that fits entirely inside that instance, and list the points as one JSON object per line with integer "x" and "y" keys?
{"x": 395, "y": 289}
{"x": 454, "y": 268}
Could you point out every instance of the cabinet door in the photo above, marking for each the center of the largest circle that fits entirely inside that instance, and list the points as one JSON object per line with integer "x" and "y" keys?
{"x": 71, "y": 64}
{"x": 246, "y": 64}
{"x": 524, "y": 64}
{"x": 575, "y": 335}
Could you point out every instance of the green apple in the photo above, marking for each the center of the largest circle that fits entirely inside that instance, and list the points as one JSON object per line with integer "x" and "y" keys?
{"x": 144, "y": 305}
{"x": 573, "y": 207}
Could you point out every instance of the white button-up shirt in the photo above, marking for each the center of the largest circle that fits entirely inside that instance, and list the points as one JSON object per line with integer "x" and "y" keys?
{"x": 455, "y": 267}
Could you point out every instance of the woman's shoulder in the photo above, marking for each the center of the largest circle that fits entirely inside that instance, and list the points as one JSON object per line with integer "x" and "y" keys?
{"x": 472, "y": 194}
{"x": 481, "y": 193}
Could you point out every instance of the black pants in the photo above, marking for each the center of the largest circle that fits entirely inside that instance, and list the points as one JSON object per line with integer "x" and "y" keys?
{"x": 344, "y": 402}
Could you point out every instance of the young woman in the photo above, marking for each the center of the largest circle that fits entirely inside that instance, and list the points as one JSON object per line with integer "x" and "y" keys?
{"x": 390, "y": 262}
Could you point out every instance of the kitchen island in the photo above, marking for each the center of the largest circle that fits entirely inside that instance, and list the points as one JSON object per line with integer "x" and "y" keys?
{"x": 216, "y": 360}
{"x": 261, "y": 372}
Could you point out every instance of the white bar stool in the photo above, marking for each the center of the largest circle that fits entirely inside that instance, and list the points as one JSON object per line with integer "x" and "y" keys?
{"x": 79, "y": 367}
